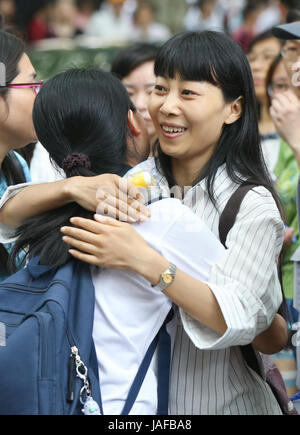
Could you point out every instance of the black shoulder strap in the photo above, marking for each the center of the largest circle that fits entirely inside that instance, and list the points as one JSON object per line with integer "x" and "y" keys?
{"x": 226, "y": 222}
{"x": 231, "y": 210}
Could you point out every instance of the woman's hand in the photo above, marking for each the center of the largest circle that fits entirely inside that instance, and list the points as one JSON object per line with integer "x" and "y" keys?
{"x": 288, "y": 239}
{"x": 285, "y": 112}
{"x": 106, "y": 193}
{"x": 109, "y": 194}
{"x": 108, "y": 243}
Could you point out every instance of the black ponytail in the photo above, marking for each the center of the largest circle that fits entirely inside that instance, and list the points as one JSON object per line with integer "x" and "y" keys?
{"x": 76, "y": 112}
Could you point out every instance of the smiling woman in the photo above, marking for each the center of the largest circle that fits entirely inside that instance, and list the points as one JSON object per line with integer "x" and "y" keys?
{"x": 203, "y": 108}
{"x": 16, "y": 124}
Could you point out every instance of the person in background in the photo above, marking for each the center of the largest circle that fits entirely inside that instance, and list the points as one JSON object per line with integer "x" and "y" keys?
{"x": 247, "y": 31}
{"x": 134, "y": 65}
{"x": 171, "y": 13}
{"x": 269, "y": 18}
{"x": 205, "y": 15}
{"x": 63, "y": 19}
{"x": 85, "y": 10}
{"x": 277, "y": 81}
{"x": 285, "y": 112}
{"x": 111, "y": 23}
{"x": 8, "y": 12}
{"x": 263, "y": 49}
{"x": 17, "y": 95}
{"x": 39, "y": 26}
{"x": 146, "y": 28}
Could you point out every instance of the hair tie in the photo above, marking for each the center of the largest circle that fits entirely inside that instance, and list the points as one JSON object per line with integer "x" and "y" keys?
{"x": 76, "y": 159}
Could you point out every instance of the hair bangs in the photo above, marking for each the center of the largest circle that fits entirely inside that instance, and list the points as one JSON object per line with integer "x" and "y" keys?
{"x": 187, "y": 61}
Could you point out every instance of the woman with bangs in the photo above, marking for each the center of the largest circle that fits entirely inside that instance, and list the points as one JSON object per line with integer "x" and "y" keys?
{"x": 204, "y": 111}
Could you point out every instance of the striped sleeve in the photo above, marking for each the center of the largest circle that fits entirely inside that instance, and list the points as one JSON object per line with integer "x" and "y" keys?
{"x": 245, "y": 280}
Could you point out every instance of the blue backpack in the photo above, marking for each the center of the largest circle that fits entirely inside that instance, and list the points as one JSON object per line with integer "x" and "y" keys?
{"x": 48, "y": 363}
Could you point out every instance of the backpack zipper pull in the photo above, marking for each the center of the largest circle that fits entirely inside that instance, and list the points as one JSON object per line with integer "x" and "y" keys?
{"x": 90, "y": 407}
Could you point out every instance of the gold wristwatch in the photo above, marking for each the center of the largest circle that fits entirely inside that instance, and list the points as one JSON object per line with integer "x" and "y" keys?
{"x": 166, "y": 278}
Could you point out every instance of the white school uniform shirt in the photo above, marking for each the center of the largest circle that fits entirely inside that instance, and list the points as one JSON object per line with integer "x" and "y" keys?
{"x": 129, "y": 311}
{"x": 208, "y": 373}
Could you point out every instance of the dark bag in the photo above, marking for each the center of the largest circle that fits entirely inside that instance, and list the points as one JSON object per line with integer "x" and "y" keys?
{"x": 272, "y": 374}
{"x": 48, "y": 363}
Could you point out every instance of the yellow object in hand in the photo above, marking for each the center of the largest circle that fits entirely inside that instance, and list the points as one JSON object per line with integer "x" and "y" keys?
{"x": 143, "y": 179}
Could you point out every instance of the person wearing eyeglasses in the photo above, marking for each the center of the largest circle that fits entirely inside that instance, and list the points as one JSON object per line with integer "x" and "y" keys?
{"x": 262, "y": 51}
{"x": 285, "y": 111}
{"x": 18, "y": 88}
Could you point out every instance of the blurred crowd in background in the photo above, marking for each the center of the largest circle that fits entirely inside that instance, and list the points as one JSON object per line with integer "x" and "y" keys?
{"x": 123, "y": 21}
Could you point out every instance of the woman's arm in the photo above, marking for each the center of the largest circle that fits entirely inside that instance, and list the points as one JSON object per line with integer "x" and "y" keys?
{"x": 86, "y": 191}
{"x": 192, "y": 296}
{"x": 274, "y": 339}
{"x": 243, "y": 292}
{"x": 113, "y": 244}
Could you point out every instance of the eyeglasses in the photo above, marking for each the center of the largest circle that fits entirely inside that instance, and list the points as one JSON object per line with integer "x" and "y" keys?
{"x": 35, "y": 86}
{"x": 291, "y": 54}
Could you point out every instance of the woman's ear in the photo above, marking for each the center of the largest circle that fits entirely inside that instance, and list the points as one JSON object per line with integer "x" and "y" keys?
{"x": 133, "y": 124}
{"x": 236, "y": 110}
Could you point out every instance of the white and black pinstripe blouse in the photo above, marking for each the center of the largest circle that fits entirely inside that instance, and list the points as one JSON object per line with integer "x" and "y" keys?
{"x": 209, "y": 375}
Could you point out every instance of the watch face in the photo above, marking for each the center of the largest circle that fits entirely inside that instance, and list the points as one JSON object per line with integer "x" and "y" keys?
{"x": 167, "y": 278}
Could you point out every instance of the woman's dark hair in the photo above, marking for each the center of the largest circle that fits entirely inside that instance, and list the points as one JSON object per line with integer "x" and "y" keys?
{"x": 267, "y": 34}
{"x": 215, "y": 58}
{"x": 270, "y": 74}
{"x": 78, "y": 111}
{"x": 131, "y": 57}
{"x": 11, "y": 51}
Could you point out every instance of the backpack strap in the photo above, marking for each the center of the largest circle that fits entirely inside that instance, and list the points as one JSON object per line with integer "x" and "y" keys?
{"x": 226, "y": 222}
{"x": 161, "y": 341}
{"x": 231, "y": 210}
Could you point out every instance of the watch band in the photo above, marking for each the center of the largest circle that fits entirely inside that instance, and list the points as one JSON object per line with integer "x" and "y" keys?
{"x": 166, "y": 278}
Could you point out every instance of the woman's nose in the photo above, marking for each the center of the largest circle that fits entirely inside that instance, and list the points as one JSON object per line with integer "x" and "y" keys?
{"x": 170, "y": 105}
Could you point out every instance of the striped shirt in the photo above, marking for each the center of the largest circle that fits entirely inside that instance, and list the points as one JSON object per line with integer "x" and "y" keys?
{"x": 209, "y": 375}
